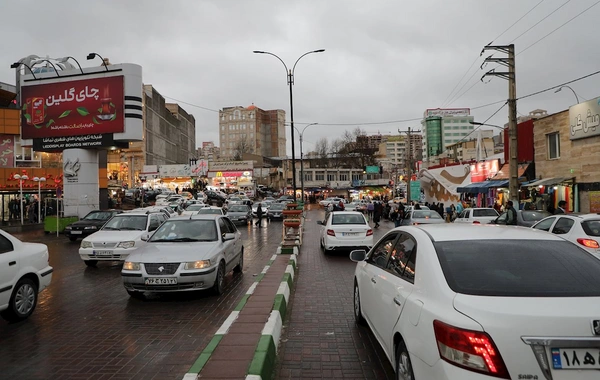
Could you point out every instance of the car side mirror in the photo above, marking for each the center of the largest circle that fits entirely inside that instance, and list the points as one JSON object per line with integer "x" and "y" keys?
{"x": 145, "y": 236}
{"x": 228, "y": 236}
{"x": 320, "y": 222}
{"x": 358, "y": 255}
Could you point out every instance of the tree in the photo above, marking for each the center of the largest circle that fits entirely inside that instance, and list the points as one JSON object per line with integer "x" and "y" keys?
{"x": 242, "y": 146}
{"x": 322, "y": 149}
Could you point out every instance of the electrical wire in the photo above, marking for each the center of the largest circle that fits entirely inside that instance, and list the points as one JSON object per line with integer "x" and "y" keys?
{"x": 522, "y": 17}
{"x": 190, "y": 104}
{"x": 479, "y": 126}
{"x": 537, "y": 23}
{"x": 559, "y": 85}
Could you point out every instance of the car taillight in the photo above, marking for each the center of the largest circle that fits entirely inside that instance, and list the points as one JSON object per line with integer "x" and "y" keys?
{"x": 415, "y": 224}
{"x": 369, "y": 232}
{"x": 331, "y": 232}
{"x": 589, "y": 243}
{"x": 471, "y": 350}
{"x": 476, "y": 222}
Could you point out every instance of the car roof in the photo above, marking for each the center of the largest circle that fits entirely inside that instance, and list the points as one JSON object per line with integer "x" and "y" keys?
{"x": 469, "y": 232}
{"x": 347, "y": 212}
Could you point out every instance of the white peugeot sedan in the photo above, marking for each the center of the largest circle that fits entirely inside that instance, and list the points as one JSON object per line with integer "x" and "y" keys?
{"x": 583, "y": 229}
{"x": 345, "y": 230}
{"x": 480, "y": 215}
{"x": 185, "y": 254}
{"x": 474, "y": 302}
{"x": 24, "y": 272}
{"x": 119, "y": 237}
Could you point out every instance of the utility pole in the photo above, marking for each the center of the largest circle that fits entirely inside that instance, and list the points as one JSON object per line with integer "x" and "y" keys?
{"x": 408, "y": 162}
{"x": 510, "y": 75}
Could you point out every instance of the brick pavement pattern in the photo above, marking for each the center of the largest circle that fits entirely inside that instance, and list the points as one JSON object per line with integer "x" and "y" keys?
{"x": 320, "y": 339}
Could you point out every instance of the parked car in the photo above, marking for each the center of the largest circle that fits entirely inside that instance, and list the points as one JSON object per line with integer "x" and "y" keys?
{"x": 119, "y": 237}
{"x": 275, "y": 211}
{"x": 345, "y": 230}
{"x": 325, "y": 202}
{"x": 24, "y": 272}
{"x": 185, "y": 254}
{"x": 460, "y": 301}
{"x": 477, "y": 215}
{"x": 583, "y": 230}
{"x": 194, "y": 208}
{"x": 214, "y": 197}
{"x": 211, "y": 210}
{"x": 360, "y": 206}
{"x": 89, "y": 224}
{"x": 201, "y": 196}
{"x": 414, "y": 217}
{"x": 264, "y": 206}
{"x": 166, "y": 210}
{"x": 240, "y": 214}
{"x": 525, "y": 218}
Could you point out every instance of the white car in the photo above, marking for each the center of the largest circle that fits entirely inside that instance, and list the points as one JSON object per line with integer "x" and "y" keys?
{"x": 583, "y": 230}
{"x": 119, "y": 237}
{"x": 479, "y": 302}
{"x": 194, "y": 208}
{"x": 344, "y": 230}
{"x": 264, "y": 206}
{"x": 211, "y": 210}
{"x": 24, "y": 272}
{"x": 477, "y": 216}
{"x": 325, "y": 202}
{"x": 160, "y": 201}
{"x": 201, "y": 196}
{"x": 185, "y": 254}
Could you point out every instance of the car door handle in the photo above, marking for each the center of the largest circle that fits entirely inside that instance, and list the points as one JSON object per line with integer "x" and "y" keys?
{"x": 397, "y": 301}
{"x": 373, "y": 280}
{"x": 12, "y": 263}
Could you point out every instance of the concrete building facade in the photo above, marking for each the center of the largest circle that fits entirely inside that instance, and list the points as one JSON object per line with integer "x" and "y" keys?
{"x": 443, "y": 127}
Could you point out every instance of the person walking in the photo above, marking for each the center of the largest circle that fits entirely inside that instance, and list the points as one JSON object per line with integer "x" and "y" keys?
{"x": 399, "y": 215}
{"x": 370, "y": 208}
{"x": 511, "y": 214}
{"x": 259, "y": 215}
{"x": 561, "y": 208}
{"x": 377, "y": 211}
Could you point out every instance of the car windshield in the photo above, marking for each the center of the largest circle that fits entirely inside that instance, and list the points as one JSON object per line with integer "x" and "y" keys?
{"x": 485, "y": 212}
{"x": 127, "y": 222}
{"x": 347, "y": 219}
{"x": 238, "y": 209}
{"x": 534, "y": 216}
{"x": 235, "y": 199}
{"x": 591, "y": 227}
{"x": 185, "y": 231}
{"x": 426, "y": 214}
{"x": 210, "y": 211}
{"x": 519, "y": 268}
{"x": 102, "y": 215}
{"x": 195, "y": 207}
{"x": 277, "y": 206}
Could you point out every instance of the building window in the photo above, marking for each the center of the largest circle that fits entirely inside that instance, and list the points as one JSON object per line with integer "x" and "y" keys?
{"x": 308, "y": 176}
{"x": 252, "y": 115}
{"x": 356, "y": 177}
{"x": 222, "y": 127}
{"x": 320, "y": 176}
{"x": 553, "y": 142}
{"x": 330, "y": 177}
{"x": 343, "y": 176}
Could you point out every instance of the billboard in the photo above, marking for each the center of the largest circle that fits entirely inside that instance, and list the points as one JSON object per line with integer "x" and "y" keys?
{"x": 169, "y": 171}
{"x": 79, "y": 107}
{"x": 7, "y": 151}
{"x": 584, "y": 119}
{"x": 372, "y": 169}
{"x": 447, "y": 112}
{"x": 483, "y": 171}
{"x": 49, "y": 144}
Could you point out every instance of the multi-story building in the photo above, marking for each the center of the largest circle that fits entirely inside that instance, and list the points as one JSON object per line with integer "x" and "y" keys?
{"x": 394, "y": 150}
{"x": 444, "y": 127}
{"x": 251, "y": 130}
{"x": 372, "y": 141}
{"x": 480, "y": 148}
{"x": 208, "y": 151}
{"x": 169, "y": 138}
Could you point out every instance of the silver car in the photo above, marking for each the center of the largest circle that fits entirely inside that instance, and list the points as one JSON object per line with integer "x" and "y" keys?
{"x": 241, "y": 214}
{"x": 185, "y": 254}
{"x": 415, "y": 217}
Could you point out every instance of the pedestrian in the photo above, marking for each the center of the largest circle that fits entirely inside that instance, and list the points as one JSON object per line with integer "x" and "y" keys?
{"x": 399, "y": 215}
{"x": 561, "y": 208}
{"x": 377, "y": 210}
{"x": 511, "y": 214}
{"x": 259, "y": 215}
{"x": 370, "y": 208}
{"x": 459, "y": 208}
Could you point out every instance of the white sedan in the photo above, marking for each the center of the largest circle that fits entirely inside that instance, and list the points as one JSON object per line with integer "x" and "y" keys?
{"x": 477, "y": 215}
{"x": 477, "y": 302}
{"x": 24, "y": 272}
{"x": 344, "y": 230}
{"x": 583, "y": 230}
{"x": 194, "y": 208}
{"x": 185, "y": 254}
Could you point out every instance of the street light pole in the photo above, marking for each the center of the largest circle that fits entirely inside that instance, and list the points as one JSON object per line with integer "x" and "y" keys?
{"x": 39, "y": 182}
{"x": 574, "y": 93}
{"x": 290, "y": 79}
{"x": 21, "y": 178}
{"x": 302, "y": 157}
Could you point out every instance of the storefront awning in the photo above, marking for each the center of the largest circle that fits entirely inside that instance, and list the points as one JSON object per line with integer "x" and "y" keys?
{"x": 481, "y": 187}
{"x": 548, "y": 181}
{"x": 503, "y": 173}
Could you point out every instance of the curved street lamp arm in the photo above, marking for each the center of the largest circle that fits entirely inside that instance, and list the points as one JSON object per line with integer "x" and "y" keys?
{"x": 573, "y": 91}
{"x": 274, "y": 55}
{"x": 307, "y": 53}
{"x": 47, "y": 60}
{"x": 304, "y": 129}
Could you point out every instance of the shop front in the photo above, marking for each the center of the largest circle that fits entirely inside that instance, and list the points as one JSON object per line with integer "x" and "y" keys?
{"x": 231, "y": 176}
{"x": 544, "y": 194}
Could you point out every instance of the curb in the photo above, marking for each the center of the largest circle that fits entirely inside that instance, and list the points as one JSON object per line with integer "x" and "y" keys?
{"x": 263, "y": 362}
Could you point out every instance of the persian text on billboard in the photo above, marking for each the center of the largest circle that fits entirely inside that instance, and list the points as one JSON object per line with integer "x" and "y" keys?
{"x": 80, "y": 107}
{"x": 67, "y": 142}
{"x": 584, "y": 119}
{"x": 7, "y": 151}
{"x": 448, "y": 112}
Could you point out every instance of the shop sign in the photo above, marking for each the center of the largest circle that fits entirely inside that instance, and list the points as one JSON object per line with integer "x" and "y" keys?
{"x": 201, "y": 168}
{"x": 170, "y": 171}
{"x": 447, "y": 112}
{"x": 584, "y": 119}
{"x": 483, "y": 171}
{"x": 67, "y": 142}
{"x": 594, "y": 201}
{"x": 228, "y": 174}
{"x": 7, "y": 151}
{"x": 415, "y": 191}
{"x": 230, "y": 166}
{"x": 73, "y": 107}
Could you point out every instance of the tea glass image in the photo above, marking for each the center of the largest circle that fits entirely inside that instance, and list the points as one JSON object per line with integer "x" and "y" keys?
{"x": 107, "y": 110}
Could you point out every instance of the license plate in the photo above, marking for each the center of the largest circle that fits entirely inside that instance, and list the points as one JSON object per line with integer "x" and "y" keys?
{"x": 102, "y": 253}
{"x": 576, "y": 358}
{"x": 76, "y": 232}
{"x": 161, "y": 281}
{"x": 349, "y": 233}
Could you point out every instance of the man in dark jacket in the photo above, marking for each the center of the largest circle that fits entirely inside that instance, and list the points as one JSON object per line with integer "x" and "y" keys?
{"x": 259, "y": 215}
{"x": 511, "y": 214}
{"x": 561, "y": 207}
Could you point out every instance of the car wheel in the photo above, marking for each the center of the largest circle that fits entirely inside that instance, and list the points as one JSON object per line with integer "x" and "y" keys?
{"x": 404, "y": 370}
{"x": 358, "y": 317}
{"x": 136, "y": 295}
{"x": 240, "y": 266}
{"x": 90, "y": 263}
{"x": 73, "y": 238}
{"x": 22, "y": 301}
{"x": 218, "y": 285}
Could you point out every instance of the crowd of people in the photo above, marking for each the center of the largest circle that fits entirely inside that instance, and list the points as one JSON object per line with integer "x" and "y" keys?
{"x": 30, "y": 209}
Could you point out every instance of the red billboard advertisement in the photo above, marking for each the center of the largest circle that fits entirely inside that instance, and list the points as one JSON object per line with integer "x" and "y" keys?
{"x": 79, "y": 107}
{"x": 483, "y": 171}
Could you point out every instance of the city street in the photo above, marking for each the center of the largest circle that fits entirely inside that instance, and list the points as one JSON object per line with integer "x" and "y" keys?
{"x": 86, "y": 326}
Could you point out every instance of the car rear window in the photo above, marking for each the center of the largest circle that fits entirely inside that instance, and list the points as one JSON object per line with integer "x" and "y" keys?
{"x": 348, "y": 219}
{"x": 591, "y": 227}
{"x": 426, "y": 214}
{"x": 534, "y": 216}
{"x": 485, "y": 212}
{"x": 519, "y": 268}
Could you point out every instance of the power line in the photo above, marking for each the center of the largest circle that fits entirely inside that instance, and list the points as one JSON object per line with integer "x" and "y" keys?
{"x": 537, "y": 23}
{"x": 460, "y": 80}
{"x": 479, "y": 126}
{"x": 522, "y": 17}
{"x": 190, "y": 104}
{"x": 562, "y": 84}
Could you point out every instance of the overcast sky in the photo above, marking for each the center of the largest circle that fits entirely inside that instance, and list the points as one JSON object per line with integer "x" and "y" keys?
{"x": 385, "y": 61}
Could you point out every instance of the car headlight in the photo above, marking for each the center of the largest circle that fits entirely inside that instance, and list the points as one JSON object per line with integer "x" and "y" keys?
{"x": 197, "y": 264}
{"x": 128, "y": 265}
{"x": 126, "y": 244}
{"x": 86, "y": 244}
{"x": 68, "y": 228}
{"x": 91, "y": 228}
